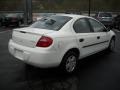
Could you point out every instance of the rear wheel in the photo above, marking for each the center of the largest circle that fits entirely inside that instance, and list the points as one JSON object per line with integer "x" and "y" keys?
{"x": 69, "y": 62}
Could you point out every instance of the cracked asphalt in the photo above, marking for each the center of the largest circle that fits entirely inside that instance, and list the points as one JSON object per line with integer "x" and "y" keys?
{"x": 98, "y": 72}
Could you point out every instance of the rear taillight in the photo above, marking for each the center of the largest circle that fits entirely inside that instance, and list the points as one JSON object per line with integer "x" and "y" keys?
{"x": 44, "y": 41}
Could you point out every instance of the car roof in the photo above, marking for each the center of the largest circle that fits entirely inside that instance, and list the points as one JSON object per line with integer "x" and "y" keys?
{"x": 73, "y": 15}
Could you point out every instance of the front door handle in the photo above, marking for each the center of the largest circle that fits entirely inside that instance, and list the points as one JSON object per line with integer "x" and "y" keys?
{"x": 81, "y": 40}
{"x": 98, "y": 37}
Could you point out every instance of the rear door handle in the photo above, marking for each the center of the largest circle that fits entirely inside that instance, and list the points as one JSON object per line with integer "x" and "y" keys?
{"x": 81, "y": 40}
{"x": 98, "y": 37}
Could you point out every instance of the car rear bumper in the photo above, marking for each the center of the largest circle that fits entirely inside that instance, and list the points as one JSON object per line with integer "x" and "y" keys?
{"x": 34, "y": 56}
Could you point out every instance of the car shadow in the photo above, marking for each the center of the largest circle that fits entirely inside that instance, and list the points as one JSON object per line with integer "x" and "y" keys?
{"x": 52, "y": 79}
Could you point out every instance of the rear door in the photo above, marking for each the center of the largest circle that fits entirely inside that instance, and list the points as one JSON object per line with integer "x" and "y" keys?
{"x": 100, "y": 33}
{"x": 85, "y": 37}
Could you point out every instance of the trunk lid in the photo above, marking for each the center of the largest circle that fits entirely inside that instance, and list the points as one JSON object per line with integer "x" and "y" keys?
{"x": 28, "y": 36}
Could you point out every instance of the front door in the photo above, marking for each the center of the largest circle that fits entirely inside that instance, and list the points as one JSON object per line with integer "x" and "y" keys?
{"x": 100, "y": 33}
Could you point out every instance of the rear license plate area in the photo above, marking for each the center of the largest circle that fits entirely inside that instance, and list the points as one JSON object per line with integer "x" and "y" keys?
{"x": 19, "y": 54}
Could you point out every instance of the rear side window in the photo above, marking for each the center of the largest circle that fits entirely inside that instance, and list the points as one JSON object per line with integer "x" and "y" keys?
{"x": 51, "y": 23}
{"x": 81, "y": 26}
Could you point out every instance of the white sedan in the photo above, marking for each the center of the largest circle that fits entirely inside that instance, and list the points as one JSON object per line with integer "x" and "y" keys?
{"x": 60, "y": 40}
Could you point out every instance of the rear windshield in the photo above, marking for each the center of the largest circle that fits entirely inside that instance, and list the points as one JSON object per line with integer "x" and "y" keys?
{"x": 53, "y": 22}
{"x": 105, "y": 15}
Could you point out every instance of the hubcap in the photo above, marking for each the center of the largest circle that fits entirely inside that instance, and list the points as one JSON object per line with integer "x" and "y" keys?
{"x": 71, "y": 63}
{"x": 112, "y": 45}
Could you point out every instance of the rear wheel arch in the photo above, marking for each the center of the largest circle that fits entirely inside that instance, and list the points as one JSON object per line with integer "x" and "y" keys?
{"x": 75, "y": 50}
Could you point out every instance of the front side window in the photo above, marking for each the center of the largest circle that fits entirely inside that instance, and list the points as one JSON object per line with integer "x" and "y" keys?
{"x": 81, "y": 26}
{"x": 53, "y": 22}
{"x": 97, "y": 27}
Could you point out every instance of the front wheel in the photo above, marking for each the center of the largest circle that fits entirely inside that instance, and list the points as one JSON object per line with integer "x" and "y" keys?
{"x": 69, "y": 62}
{"x": 112, "y": 45}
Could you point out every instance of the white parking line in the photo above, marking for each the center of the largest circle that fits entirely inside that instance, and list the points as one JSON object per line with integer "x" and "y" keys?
{"x": 4, "y": 31}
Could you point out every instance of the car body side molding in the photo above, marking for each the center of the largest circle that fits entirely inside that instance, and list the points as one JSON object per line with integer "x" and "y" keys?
{"x": 95, "y": 44}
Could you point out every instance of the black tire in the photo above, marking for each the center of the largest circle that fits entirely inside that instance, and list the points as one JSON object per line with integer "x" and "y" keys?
{"x": 67, "y": 65}
{"x": 112, "y": 45}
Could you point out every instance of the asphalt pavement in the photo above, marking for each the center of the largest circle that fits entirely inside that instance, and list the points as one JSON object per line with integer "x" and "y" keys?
{"x": 98, "y": 72}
